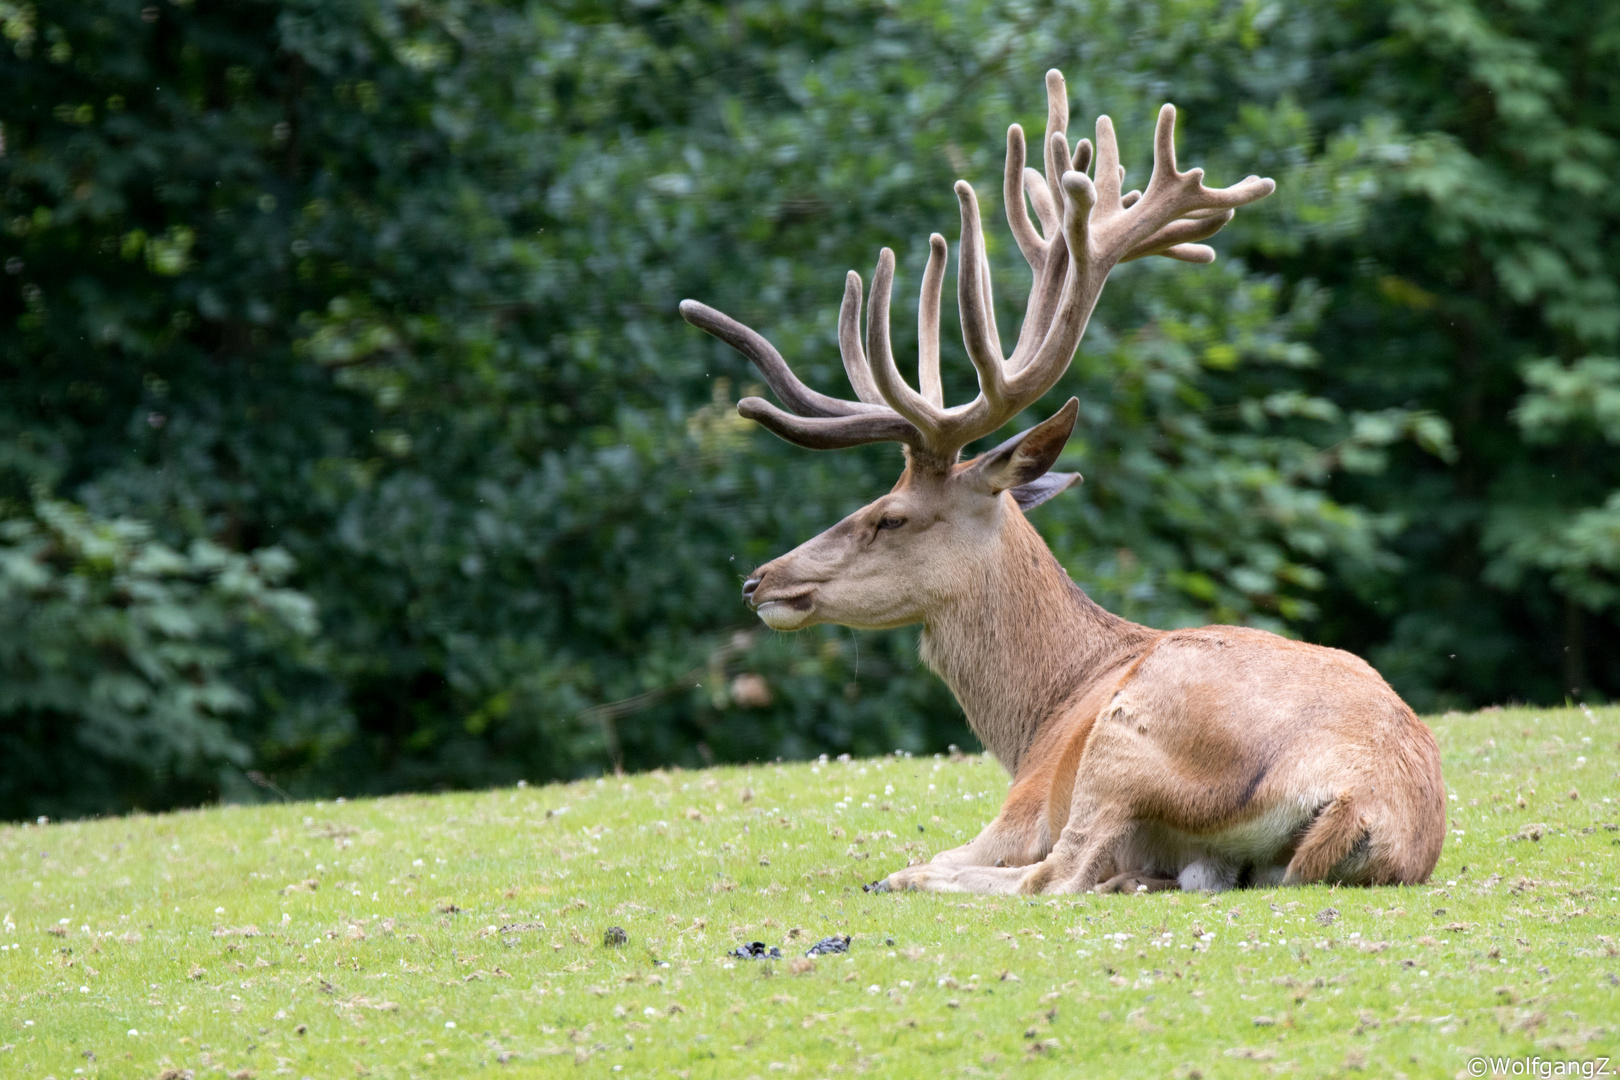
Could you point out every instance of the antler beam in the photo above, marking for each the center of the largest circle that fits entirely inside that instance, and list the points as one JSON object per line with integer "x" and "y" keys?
{"x": 1086, "y": 228}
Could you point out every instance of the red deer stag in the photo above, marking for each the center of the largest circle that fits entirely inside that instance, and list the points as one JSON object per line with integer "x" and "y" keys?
{"x": 1141, "y": 759}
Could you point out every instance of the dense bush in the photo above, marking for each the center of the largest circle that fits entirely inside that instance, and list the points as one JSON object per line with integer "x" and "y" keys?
{"x": 126, "y": 663}
{"x": 363, "y": 314}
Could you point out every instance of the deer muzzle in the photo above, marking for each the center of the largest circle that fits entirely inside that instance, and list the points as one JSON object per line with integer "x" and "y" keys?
{"x": 781, "y": 606}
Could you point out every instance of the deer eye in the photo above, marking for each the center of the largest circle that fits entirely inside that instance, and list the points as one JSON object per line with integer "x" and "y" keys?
{"x": 891, "y": 522}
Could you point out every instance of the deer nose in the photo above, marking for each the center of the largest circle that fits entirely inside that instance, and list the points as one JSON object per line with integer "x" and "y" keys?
{"x": 749, "y": 588}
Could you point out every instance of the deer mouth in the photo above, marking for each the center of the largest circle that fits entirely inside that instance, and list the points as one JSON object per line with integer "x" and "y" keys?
{"x": 786, "y": 612}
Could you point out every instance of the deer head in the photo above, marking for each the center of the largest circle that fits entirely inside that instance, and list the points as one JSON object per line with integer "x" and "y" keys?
{"x": 929, "y": 539}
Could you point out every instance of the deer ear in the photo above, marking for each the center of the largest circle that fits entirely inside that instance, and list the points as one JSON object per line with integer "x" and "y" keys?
{"x": 1023, "y": 459}
{"x": 1035, "y": 492}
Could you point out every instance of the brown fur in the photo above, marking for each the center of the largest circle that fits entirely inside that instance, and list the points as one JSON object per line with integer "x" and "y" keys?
{"x": 1134, "y": 752}
{"x": 1140, "y": 759}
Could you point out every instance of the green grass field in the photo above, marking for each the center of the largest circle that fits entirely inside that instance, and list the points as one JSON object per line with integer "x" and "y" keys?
{"x": 450, "y": 935}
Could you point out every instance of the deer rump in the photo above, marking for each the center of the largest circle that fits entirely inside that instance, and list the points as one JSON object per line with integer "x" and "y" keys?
{"x": 1141, "y": 759}
{"x": 1226, "y": 757}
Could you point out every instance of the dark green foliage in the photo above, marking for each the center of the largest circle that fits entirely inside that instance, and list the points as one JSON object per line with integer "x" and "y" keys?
{"x": 126, "y": 662}
{"x": 1486, "y": 287}
{"x": 380, "y": 296}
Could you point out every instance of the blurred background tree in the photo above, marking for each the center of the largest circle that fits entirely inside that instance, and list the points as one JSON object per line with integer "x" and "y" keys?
{"x": 349, "y": 435}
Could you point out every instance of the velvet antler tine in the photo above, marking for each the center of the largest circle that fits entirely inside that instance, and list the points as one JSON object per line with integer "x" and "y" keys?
{"x": 1108, "y": 183}
{"x": 829, "y": 433}
{"x": 1159, "y": 196}
{"x": 1041, "y": 196}
{"x": 1081, "y": 287}
{"x": 1044, "y": 294}
{"x": 1048, "y": 283}
{"x": 1080, "y": 195}
{"x": 1057, "y": 157}
{"x": 1185, "y": 231}
{"x": 1239, "y": 194}
{"x": 928, "y": 307}
{"x": 793, "y": 393}
{"x": 849, "y": 343}
{"x": 977, "y": 330}
{"x": 901, "y": 397}
{"x": 1012, "y": 193}
{"x": 987, "y": 287}
{"x": 1164, "y": 143}
{"x": 1057, "y": 123}
{"x": 1192, "y": 253}
{"x": 1057, "y": 101}
{"x": 1082, "y": 156}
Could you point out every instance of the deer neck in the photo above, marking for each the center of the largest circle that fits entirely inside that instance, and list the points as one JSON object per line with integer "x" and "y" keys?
{"x": 1020, "y": 641}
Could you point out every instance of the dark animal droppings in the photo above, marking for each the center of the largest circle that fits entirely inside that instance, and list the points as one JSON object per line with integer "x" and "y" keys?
{"x": 756, "y": 950}
{"x": 836, "y": 944}
{"x": 615, "y": 936}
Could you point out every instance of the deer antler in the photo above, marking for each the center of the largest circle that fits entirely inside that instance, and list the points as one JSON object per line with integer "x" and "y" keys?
{"x": 1086, "y": 229}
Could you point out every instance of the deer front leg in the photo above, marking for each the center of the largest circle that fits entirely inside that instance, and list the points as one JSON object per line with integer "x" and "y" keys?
{"x": 1083, "y": 857}
{"x": 1018, "y": 837}
{"x": 1081, "y": 860}
{"x": 1006, "y": 841}
{"x": 994, "y": 880}
{"x": 999, "y": 848}
{"x": 948, "y": 878}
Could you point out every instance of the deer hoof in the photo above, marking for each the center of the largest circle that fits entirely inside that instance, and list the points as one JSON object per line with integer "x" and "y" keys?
{"x": 908, "y": 879}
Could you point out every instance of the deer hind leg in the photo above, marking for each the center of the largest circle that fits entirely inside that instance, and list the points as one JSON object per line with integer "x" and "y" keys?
{"x": 1333, "y": 848}
{"x": 1133, "y": 881}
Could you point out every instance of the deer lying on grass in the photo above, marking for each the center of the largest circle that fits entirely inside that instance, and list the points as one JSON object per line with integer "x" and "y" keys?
{"x": 1141, "y": 759}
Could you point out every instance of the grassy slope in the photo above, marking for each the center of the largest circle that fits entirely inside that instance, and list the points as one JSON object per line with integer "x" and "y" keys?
{"x": 174, "y": 942}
